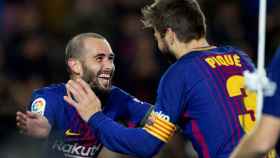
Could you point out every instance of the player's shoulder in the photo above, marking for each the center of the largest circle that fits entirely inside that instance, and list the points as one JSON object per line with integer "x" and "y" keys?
{"x": 51, "y": 90}
{"x": 238, "y": 51}
{"x": 117, "y": 92}
{"x": 225, "y": 51}
{"x": 46, "y": 97}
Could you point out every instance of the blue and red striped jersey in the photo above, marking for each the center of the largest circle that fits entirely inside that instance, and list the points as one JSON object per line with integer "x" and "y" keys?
{"x": 70, "y": 136}
{"x": 204, "y": 94}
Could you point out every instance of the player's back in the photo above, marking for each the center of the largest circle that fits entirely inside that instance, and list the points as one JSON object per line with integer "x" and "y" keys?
{"x": 217, "y": 108}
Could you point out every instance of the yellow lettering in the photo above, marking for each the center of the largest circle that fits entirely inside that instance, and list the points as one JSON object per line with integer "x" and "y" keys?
{"x": 236, "y": 59}
{"x": 224, "y": 60}
{"x": 229, "y": 60}
{"x": 211, "y": 62}
{"x": 221, "y": 60}
{"x": 217, "y": 61}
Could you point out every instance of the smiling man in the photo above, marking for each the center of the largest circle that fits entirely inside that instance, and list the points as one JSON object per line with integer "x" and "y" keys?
{"x": 88, "y": 56}
{"x": 202, "y": 92}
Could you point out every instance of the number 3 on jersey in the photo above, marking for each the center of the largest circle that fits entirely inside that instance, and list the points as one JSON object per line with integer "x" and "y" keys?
{"x": 235, "y": 87}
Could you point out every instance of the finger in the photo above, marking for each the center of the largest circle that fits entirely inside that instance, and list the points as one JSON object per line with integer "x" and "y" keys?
{"x": 21, "y": 126}
{"x": 70, "y": 101}
{"x": 79, "y": 87}
{"x": 32, "y": 115}
{"x": 68, "y": 91}
{"x": 21, "y": 116}
{"x": 88, "y": 89}
{"x": 72, "y": 93}
{"x": 21, "y": 122}
{"x": 91, "y": 95}
{"x": 85, "y": 86}
{"x": 76, "y": 90}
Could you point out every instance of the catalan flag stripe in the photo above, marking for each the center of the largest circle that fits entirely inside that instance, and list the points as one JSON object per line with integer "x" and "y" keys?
{"x": 165, "y": 122}
{"x": 163, "y": 133}
{"x": 160, "y": 128}
{"x": 156, "y": 134}
{"x": 162, "y": 123}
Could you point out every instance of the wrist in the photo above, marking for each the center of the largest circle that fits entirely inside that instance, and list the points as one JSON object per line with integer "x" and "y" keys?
{"x": 92, "y": 115}
{"x": 96, "y": 120}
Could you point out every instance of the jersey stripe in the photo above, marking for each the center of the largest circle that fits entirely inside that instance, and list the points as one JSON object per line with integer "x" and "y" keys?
{"x": 218, "y": 95}
{"x": 199, "y": 136}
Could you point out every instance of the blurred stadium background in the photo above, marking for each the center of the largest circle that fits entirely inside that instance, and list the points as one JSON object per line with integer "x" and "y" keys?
{"x": 34, "y": 34}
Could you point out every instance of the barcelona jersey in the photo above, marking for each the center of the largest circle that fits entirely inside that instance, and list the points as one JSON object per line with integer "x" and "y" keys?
{"x": 70, "y": 136}
{"x": 203, "y": 95}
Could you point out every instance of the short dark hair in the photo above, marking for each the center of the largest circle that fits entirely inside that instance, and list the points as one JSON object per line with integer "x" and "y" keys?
{"x": 75, "y": 47}
{"x": 184, "y": 17}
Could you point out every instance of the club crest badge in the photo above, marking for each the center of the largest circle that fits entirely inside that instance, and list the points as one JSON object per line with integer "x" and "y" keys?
{"x": 38, "y": 106}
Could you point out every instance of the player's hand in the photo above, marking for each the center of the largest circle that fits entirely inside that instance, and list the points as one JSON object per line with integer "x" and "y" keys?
{"x": 81, "y": 96}
{"x": 33, "y": 124}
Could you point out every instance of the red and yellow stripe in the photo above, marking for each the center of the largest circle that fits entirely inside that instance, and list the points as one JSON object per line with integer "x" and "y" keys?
{"x": 160, "y": 128}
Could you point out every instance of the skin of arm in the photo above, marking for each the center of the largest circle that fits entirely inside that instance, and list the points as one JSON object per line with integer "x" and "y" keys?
{"x": 261, "y": 140}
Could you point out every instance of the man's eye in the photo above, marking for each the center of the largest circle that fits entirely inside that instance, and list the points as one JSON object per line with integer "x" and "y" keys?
{"x": 99, "y": 58}
{"x": 111, "y": 58}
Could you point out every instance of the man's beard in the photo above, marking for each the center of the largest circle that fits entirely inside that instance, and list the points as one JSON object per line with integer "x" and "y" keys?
{"x": 167, "y": 53}
{"x": 92, "y": 79}
{"x": 95, "y": 85}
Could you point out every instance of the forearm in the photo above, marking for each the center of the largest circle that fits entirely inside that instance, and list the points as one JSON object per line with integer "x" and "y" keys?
{"x": 249, "y": 147}
{"x": 132, "y": 141}
{"x": 261, "y": 140}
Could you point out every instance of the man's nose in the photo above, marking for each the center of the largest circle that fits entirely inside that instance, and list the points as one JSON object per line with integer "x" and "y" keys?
{"x": 109, "y": 65}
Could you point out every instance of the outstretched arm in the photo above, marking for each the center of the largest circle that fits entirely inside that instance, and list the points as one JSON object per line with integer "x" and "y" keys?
{"x": 262, "y": 139}
{"x": 33, "y": 124}
{"x": 140, "y": 142}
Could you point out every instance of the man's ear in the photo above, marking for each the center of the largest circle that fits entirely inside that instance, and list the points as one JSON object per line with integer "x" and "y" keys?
{"x": 74, "y": 66}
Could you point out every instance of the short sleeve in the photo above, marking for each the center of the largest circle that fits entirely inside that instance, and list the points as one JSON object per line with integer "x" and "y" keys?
{"x": 43, "y": 104}
{"x": 170, "y": 95}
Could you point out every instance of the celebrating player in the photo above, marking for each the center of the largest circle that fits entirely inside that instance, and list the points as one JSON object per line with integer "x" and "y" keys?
{"x": 88, "y": 56}
{"x": 266, "y": 134}
{"x": 202, "y": 93}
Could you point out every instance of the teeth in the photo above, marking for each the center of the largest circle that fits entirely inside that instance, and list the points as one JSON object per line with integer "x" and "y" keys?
{"x": 105, "y": 76}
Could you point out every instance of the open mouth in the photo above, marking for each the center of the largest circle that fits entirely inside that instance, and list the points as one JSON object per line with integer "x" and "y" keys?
{"x": 105, "y": 76}
{"x": 105, "y": 79}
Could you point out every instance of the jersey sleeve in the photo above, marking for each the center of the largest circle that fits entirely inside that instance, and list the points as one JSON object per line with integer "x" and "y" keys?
{"x": 171, "y": 94}
{"x": 129, "y": 107}
{"x": 271, "y": 104}
{"x": 169, "y": 104}
{"x": 158, "y": 129}
{"x": 132, "y": 141}
{"x": 43, "y": 103}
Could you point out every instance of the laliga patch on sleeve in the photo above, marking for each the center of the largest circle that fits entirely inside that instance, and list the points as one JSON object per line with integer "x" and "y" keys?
{"x": 38, "y": 106}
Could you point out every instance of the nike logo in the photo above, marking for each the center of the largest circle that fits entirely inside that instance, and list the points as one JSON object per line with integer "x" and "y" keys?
{"x": 70, "y": 133}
